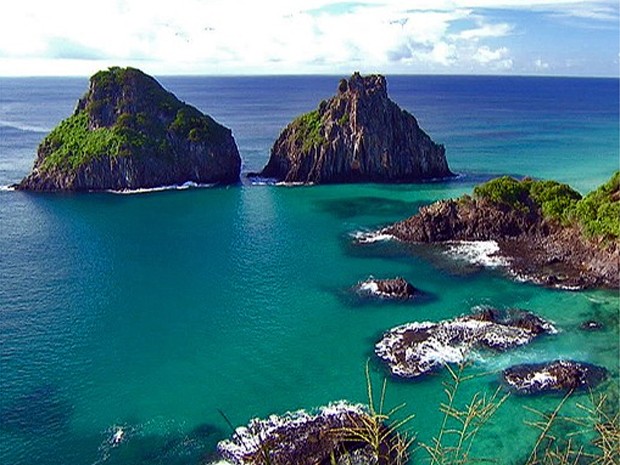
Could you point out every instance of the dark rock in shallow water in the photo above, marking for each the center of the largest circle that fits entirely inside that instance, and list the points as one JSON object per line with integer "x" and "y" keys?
{"x": 591, "y": 325}
{"x": 395, "y": 288}
{"x": 560, "y": 375}
{"x": 301, "y": 438}
{"x": 415, "y": 349}
{"x": 359, "y": 135}
{"x": 128, "y": 132}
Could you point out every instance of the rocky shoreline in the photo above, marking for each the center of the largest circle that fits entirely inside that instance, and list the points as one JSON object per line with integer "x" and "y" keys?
{"x": 535, "y": 248}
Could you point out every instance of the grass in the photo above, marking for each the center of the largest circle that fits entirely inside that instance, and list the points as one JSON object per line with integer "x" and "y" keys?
{"x": 379, "y": 432}
{"x": 591, "y": 438}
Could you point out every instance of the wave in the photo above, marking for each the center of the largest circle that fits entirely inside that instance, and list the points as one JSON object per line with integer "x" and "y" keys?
{"x": 149, "y": 190}
{"x": 7, "y": 188}
{"x": 482, "y": 253}
{"x": 262, "y": 181}
{"x": 24, "y": 127}
{"x": 370, "y": 237}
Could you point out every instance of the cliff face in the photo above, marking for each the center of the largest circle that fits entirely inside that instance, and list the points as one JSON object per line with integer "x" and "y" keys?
{"x": 128, "y": 132}
{"x": 359, "y": 135}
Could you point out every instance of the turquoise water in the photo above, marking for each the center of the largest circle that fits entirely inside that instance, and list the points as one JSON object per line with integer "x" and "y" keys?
{"x": 158, "y": 311}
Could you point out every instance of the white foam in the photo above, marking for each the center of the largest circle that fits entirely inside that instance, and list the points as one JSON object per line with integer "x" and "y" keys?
{"x": 249, "y": 440}
{"x": 260, "y": 181}
{"x": 178, "y": 187}
{"x": 482, "y": 253}
{"x": 369, "y": 286}
{"x": 293, "y": 184}
{"x": 365, "y": 237}
{"x": 6, "y": 188}
{"x": 24, "y": 127}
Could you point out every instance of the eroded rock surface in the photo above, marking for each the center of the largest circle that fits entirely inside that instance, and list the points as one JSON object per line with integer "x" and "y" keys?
{"x": 359, "y": 135}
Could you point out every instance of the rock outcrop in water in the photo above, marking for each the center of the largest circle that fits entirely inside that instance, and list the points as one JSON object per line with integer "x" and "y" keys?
{"x": 128, "y": 132}
{"x": 394, "y": 288}
{"x": 416, "y": 349}
{"x": 560, "y": 375}
{"x": 546, "y": 231}
{"x": 359, "y": 135}
{"x": 301, "y": 438}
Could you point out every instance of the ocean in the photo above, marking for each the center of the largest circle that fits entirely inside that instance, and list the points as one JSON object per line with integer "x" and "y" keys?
{"x": 170, "y": 313}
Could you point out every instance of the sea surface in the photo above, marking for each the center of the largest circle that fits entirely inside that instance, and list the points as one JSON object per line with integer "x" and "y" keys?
{"x": 171, "y": 313}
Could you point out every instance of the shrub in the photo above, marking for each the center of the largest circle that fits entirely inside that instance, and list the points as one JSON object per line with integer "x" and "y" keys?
{"x": 308, "y": 129}
{"x": 599, "y": 211}
{"x": 504, "y": 190}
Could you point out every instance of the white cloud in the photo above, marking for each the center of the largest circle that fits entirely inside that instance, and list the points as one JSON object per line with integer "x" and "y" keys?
{"x": 497, "y": 58}
{"x": 541, "y": 65}
{"x": 271, "y": 36}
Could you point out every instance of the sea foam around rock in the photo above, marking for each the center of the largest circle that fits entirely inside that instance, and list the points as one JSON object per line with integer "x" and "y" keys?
{"x": 481, "y": 253}
{"x": 370, "y": 237}
{"x": 415, "y": 349}
{"x": 174, "y": 187}
{"x": 299, "y": 437}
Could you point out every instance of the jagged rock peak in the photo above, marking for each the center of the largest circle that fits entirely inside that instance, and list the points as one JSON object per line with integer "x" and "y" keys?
{"x": 358, "y": 135}
{"x": 128, "y": 132}
{"x": 364, "y": 85}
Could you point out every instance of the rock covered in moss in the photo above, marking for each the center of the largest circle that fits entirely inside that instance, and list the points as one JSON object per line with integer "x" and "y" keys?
{"x": 128, "y": 132}
{"x": 359, "y": 135}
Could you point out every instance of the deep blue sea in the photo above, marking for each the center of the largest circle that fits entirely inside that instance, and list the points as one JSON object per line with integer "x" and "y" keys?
{"x": 156, "y": 312}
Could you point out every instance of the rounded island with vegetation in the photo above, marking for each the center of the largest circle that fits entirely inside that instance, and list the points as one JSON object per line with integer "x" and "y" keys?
{"x": 128, "y": 132}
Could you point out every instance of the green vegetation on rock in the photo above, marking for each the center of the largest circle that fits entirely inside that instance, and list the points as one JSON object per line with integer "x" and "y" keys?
{"x": 598, "y": 212}
{"x": 308, "y": 129}
{"x": 125, "y": 113}
{"x": 71, "y": 144}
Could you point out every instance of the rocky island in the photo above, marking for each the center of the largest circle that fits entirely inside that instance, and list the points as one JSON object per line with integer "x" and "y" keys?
{"x": 340, "y": 433}
{"x": 359, "y": 135}
{"x": 128, "y": 132}
{"x": 393, "y": 288}
{"x": 415, "y": 349}
{"x": 546, "y": 231}
{"x": 559, "y": 375}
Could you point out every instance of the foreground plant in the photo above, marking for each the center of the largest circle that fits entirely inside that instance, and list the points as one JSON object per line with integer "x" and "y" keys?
{"x": 594, "y": 439}
{"x": 459, "y": 427}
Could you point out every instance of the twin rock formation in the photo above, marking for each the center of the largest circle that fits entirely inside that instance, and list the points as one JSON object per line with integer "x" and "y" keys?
{"x": 128, "y": 132}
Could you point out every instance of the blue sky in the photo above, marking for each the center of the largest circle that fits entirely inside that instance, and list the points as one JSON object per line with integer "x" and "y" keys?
{"x": 533, "y": 37}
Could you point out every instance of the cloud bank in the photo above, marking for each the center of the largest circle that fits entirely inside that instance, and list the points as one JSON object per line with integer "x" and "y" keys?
{"x": 277, "y": 36}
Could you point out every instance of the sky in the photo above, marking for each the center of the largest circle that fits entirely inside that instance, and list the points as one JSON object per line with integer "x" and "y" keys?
{"x": 232, "y": 37}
